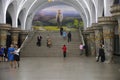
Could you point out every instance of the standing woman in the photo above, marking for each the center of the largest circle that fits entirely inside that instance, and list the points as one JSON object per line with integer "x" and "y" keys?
{"x": 11, "y": 50}
{"x": 16, "y": 56}
{"x": 64, "y": 48}
{"x": 49, "y": 42}
{"x": 64, "y": 35}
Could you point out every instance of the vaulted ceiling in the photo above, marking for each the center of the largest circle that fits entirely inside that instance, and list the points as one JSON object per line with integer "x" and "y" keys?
{"x": 24, "y": 10}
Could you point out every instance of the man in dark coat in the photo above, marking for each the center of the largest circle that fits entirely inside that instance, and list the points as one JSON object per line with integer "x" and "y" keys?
{"x": 69, "y": 36}
{"x": 39, "y": 38}
{"x": 101, "y": 54}
{"x": 61, "y": 31}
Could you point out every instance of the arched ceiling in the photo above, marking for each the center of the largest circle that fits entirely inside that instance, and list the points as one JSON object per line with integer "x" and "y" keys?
{"x": 80, "y": 9}
{"x": 81, "y": 6}
{"x": 27, "y": 8}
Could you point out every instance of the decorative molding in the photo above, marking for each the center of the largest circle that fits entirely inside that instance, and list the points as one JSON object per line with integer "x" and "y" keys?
{"x": 5, "y": 26}
{"x": 15, "y": 30}
{"x": 115, "y": 10}
{"x": 107, "y": 20}
{"x": 24, "y": 32}
{"x": 96, "y": 26}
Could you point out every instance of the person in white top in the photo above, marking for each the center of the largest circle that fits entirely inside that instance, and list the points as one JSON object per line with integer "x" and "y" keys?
{"x": 16, "y": 56}
{"x": 81, "y": 49}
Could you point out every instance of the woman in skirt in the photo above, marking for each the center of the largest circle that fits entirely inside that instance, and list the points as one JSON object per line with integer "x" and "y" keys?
{"x": 16, "y": 56}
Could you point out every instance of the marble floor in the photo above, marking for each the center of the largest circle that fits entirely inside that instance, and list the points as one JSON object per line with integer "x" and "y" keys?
{"x": 58, "y": 68}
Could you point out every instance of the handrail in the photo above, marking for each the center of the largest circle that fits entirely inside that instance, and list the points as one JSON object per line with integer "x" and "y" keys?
{"x": 28, "y": 37}
{"x": 83, "y": 42}
{"x": 24, "y": 42}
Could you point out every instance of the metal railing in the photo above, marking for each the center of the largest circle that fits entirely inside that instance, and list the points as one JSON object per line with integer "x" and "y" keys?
{"x": 27, "y": 39}
{"x": 82, "y": 38}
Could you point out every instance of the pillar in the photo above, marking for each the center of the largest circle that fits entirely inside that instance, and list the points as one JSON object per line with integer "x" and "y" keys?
{"x": 92, "y": 42}
{"x": 14, "y": 35}
{"x": 98, "y": 36}
{"x": 3, "y": 33}
{"x": 86, "y": 38}
{"x": 115, "y": 10}
{"x": 108, "y": 24}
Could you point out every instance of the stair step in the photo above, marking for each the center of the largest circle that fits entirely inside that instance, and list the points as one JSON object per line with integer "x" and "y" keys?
{"x": 31, "y": 50}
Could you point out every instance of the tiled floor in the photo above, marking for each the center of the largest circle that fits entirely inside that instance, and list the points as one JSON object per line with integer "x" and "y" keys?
{"x": 58, "y": 68}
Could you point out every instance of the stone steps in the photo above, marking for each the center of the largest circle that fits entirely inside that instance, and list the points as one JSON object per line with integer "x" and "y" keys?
{"x": 32, "y": 50}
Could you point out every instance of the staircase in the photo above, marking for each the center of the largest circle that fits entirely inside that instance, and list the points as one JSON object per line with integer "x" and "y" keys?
{"x": 32, "y": 50}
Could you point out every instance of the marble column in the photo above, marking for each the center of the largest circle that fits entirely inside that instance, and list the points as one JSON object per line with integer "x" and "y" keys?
{"x": 98, "y": 36}
{"x": 115, "y": 10}
{"x": 14, "y": 35}
{"x": 86, "y": 37}
{"x": 92, "y": 42}
{"x": 23, "y": 35}
{"x": 108, "y": 24}
{"x": 3, "y": 33}
{"x": 88, "y": 43}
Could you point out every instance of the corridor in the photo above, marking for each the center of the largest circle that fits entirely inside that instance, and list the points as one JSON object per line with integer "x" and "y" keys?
{"x": 58, "y": 68}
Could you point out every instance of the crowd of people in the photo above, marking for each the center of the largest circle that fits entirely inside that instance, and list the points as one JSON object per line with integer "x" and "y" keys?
{"x": 68, "y": 36}
{"x": 63, "y": 33}
{"x": 11, "y": 55}
{"x": 100, "y": 55}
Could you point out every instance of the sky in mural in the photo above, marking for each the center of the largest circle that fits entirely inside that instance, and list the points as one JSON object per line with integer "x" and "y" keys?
{"x": 66, "y": 10}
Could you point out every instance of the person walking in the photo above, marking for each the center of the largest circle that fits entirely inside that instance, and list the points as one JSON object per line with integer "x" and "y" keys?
{"x": 69, "y": 36}
{"x": 59, "y": 18}
{"x": 64, "y": 48}
{"x": 64, "y": 35}
{"x": 47, "y": 39}
{"x": 49, "y": 42}
{"x": 81, "y": 48}
{"x": 101, "y": 54}
{"x": 11, "y": 50}
{"x": 61, "y": 31}
{"x": 39, "y": 38}
{"x": 16, "y": 56}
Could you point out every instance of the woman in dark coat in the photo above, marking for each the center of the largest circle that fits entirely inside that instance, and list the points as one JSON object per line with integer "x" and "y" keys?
{"x": 101, "y": 54}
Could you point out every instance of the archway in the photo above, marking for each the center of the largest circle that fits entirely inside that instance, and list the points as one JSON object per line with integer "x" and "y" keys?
{"x": 47, "y": 16}
{"x": 1, "y": 12}
{"x": 8, "y": 18}
{"x": 10, "y": 13}
{"x": 100, "y": 8}
{"x": 82, "y": 13}
{"x": 21, "y": 17}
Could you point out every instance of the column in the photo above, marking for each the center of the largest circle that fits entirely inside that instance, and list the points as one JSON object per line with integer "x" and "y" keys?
{"x": 86, "y": 38}
{"x": 14, "y": 35}
{"x": 92, "y": 42}
{"x": 88, "y": 44}
{"x": 115, "y": 10}
{"x": 108, "y": 24}
{"x": 98, "y": 36}
{"x": 3, "y": 33}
